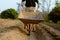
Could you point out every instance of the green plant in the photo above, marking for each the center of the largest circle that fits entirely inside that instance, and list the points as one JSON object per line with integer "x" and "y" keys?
{"x": 46, "y": 17}
{"x": 55, "y": 15}
{"x": 9, "y": 13}
{"x": 0, "y": 15}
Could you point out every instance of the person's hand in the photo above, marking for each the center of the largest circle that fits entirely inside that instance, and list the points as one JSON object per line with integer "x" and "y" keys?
{"x": 38, "y": 5}
{"x": 22, "y": 4}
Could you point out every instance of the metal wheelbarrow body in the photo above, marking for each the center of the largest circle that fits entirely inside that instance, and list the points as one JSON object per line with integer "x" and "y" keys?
{"x": 28, "y": 17}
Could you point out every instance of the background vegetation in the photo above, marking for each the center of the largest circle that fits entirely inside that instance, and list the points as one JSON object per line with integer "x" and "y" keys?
{"x": 55, "y": 15}
{"x": 9, "y": 13}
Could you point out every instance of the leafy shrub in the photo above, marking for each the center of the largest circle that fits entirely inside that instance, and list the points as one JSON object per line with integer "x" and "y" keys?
{"x": 0, "y": 15}
{"x": 9, "y": 13}
{"x": 55, "y": 14}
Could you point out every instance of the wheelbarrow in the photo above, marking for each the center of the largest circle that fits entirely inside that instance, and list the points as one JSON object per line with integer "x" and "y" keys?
{"x": 26, "y": 18}
{"x": 27, "y": 22}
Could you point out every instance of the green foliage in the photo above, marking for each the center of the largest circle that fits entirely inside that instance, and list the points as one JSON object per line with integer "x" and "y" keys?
{"x": 55, "y": 14}
{"x": 57, "y": 3}
{"x": 9, "y": 13}
{"x": 58, "y": 22}
{"x": 46, "y": 17}
{"x": 0, "y": 15}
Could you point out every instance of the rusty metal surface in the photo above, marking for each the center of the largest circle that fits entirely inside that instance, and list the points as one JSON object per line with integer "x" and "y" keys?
{"x": 29, "y": 21}
{"x": 30, "y": 17}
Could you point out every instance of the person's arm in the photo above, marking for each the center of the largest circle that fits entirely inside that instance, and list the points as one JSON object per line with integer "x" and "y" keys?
{"x": 38, "y": 3}
{"x": 22, "y": 3}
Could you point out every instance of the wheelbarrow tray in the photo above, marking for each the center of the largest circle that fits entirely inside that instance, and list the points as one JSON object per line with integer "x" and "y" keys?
{"x": 30, "y": 21}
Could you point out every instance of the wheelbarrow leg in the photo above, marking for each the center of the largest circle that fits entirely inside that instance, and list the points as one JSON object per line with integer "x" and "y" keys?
{"x": 25, "y": 25}
{"x": 34, "y": 27}
{"x": 28, "y": 29}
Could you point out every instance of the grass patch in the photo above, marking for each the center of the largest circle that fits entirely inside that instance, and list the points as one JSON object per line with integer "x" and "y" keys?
{"x": 9, "y": 28}
{"x": 57, "y": 37}
{"x": 52, "y": 23}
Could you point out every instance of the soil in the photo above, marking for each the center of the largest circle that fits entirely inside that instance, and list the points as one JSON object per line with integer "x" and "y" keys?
{"x": 18, "y": 33}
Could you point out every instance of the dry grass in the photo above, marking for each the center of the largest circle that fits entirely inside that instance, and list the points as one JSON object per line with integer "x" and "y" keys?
{"x": 14, "y": 34}
{"x": 8, "y": 22}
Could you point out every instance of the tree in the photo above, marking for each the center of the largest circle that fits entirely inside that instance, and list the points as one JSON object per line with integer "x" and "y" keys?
{"x": 46, "y": 5}
{"x": 55, "y": 14}
{"x": 57, "y": 3}
{"x": 9, "y": 13}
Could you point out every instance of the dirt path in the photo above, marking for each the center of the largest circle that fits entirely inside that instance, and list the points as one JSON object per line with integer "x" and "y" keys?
{"x": 20, "y": 34}
{"x": 16, "y": 34}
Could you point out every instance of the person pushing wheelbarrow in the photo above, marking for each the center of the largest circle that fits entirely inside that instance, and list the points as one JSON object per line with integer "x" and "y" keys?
{"x": 29, "y": 14}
